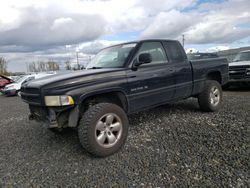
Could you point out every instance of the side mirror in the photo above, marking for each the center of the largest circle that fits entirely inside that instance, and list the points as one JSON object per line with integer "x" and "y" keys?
{"x": 143, "y": 59}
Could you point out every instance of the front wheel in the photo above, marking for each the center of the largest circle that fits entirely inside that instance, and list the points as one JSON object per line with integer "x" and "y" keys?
{"x": 103, "y": 129}
{"x": 210, "y": 98}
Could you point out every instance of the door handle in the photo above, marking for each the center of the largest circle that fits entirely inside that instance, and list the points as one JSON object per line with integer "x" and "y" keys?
{"x": 133, "y": 76}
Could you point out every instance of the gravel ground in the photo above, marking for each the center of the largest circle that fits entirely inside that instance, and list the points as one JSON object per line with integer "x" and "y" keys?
{"x": 172, "y": 145}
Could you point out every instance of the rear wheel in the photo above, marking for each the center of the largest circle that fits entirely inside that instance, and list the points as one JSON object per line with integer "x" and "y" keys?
{"x": 103, "y": 129}
{"x": 211, "y": 97}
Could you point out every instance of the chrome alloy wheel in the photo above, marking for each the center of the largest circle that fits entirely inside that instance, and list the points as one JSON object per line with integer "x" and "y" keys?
{"x": 108, "y": 130}
{"x": 215, "y": 96}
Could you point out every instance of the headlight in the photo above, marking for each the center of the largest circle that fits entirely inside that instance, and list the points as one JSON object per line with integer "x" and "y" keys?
{"x": 63, "y": 100}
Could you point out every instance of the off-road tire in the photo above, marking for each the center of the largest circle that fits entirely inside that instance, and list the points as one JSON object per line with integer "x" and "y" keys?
{"x": 87, "y": 129}
{"x": 204, "y": 97}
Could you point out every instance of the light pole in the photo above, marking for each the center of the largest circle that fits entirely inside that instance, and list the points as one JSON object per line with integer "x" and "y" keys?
{"x": 77, "y": 59}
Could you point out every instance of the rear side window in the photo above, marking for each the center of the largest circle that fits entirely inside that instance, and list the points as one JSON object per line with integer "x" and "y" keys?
{"x": 175, "y": 51}
{"x": 156, "y": 50}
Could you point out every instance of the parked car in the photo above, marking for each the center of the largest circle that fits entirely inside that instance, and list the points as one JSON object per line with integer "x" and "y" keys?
{"x": 15, "y": 78}
{"x": 198, "y": 55}
{"x": 4, "y": 80}
{"x": 121, "y": 80}
{"x": 239, "y": 69}
{"x": 15, "y": 88}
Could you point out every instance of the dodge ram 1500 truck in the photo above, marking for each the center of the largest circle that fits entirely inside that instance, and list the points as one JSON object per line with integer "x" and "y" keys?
{"x": 121, "y": 80}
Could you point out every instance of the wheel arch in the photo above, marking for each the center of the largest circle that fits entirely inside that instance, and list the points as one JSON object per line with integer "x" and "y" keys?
{"x": 115, "y": 96}
{"x": 214, "y": 75}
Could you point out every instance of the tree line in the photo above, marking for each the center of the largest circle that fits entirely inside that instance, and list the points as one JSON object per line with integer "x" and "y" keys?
{"x": 43, "y": 66}
{"x": 39, "y": 66}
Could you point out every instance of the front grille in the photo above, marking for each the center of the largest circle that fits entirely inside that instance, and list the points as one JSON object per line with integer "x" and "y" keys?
{"x": 30, "y": 90}
{"x": 238, "y": 72}
{"x": 31, "y": 95}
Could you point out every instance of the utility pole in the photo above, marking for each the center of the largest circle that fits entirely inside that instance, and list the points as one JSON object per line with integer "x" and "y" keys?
{"x": 77, "y": 61}
{"x": 27, "y": 68}
{"x": 183, "y": 40}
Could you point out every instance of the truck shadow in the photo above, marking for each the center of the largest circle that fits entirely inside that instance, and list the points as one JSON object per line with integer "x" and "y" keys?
{"x": 183, "y": 107}
{"x": 136, "y": 120}
{"x": 238, "y": 88}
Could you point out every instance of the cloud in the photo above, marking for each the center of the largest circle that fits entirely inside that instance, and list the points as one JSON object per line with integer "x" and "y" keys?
{"x": 153, "y": 8}
{"x": 217, "y": 48}
{"x": 209, "y": 23}
{"x": 96, "y": 46}
{"x": 18, "y": 62}
{"x": 222, "y": 23}
{"x": 50, "y": 23}
{"x": 216, "y": 32}
{"x": 42, "y": 29}
{"x": 169, "y": 25}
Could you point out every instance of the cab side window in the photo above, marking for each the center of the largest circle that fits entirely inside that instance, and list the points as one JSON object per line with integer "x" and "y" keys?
{"x": 156, "y": 50}
{"x": 175, "y": 51}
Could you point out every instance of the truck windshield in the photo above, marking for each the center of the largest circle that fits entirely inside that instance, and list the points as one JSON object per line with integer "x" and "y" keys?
{"x": 112, "y": 57}
{"x": 242, "y": 56}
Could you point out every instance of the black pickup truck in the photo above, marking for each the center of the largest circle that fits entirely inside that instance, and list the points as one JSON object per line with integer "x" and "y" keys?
{"x": 121, "y": 80}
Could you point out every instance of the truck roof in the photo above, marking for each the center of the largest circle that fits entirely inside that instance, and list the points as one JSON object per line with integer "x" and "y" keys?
{"x": 144, "y": 40}
{"x": 149, "y": 40}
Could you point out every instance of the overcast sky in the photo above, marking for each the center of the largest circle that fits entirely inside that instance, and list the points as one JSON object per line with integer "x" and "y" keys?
{"x": 39, "y": 30}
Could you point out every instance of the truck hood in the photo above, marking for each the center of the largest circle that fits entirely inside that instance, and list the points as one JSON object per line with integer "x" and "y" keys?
{"x": 239, "y": 63}
{"x": 75, "y": 78}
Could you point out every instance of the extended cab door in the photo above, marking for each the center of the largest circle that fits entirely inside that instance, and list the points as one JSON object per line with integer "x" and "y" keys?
{"x": 151, "y": 83}
{"x": 183, "y": 69}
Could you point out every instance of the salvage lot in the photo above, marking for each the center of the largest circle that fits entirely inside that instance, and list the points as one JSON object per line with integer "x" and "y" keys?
{"x": 175, "y": 144}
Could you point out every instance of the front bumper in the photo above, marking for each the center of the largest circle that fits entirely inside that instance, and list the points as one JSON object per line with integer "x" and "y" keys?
{"x": 54, "y": 117}
{"x": 42, "y": 115}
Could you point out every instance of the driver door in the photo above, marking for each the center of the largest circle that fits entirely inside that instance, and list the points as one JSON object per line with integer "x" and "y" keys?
{"x": 151, "y": 84}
